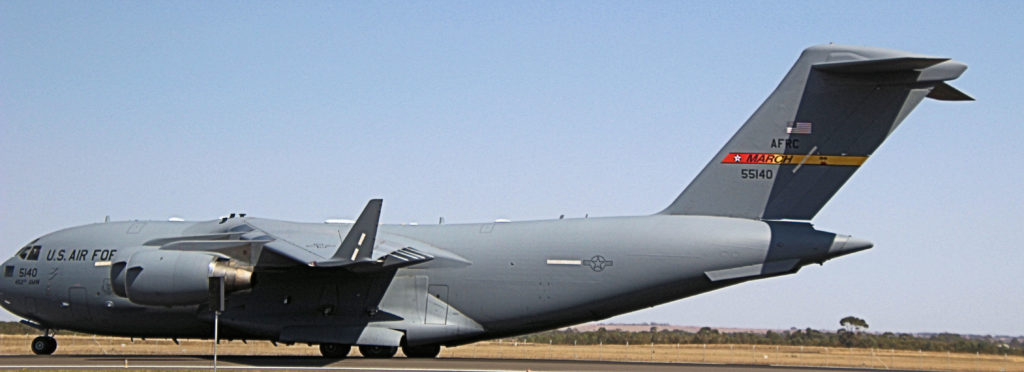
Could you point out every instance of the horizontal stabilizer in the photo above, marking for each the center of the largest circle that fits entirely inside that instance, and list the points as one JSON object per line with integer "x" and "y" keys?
{"x": 872, "y": 66}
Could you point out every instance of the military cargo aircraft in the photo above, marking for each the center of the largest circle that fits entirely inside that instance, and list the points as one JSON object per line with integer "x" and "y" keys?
{"x": 417, "y": 287}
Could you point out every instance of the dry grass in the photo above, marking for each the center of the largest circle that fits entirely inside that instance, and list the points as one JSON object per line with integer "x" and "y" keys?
{"x": 100, "y": 345}
{"x": 747, "y": 354}
{"x": 718, "y": 354}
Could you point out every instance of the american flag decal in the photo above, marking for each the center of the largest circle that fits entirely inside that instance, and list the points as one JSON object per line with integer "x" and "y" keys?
{"x": 796, "y": 127}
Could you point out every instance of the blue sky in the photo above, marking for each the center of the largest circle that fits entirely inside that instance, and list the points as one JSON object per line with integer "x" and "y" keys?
{"x": 522, "y": 110}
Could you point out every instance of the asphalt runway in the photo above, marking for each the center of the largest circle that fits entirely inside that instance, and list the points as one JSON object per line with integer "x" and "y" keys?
{"x": 87, "y": 362}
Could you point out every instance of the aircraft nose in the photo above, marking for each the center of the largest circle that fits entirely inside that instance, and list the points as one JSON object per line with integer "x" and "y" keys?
{"x": 845, "y": 244}
{"x": 6, "y": 279}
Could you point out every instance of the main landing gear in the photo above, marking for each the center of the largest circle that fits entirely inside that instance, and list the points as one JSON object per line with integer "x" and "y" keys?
{"x": 378, "y": 352}
{"x": 44, "y": 345}
{"x": 340, "y": 351}
{"x": 337, "y": 351}
{"x": 421, "y": 351}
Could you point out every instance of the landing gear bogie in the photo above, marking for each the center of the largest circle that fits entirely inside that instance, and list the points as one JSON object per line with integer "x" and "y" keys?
{"x": 377, "y": 352}
{"x": 421, "y": 351}
{"x": 337, "y": 351}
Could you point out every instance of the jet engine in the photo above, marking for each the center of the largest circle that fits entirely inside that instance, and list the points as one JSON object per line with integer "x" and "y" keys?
{"x": 168, "y": 277}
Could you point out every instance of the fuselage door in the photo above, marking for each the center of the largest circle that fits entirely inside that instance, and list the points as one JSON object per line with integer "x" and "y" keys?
{"x": 77, "y": 297}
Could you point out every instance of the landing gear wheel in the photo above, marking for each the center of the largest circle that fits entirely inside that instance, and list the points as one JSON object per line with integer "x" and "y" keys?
{"x": 337, "y": 351}
{"x": 44, "y": 345}
{"x": 421, "y": 351}
{"x": 380, "y": 352}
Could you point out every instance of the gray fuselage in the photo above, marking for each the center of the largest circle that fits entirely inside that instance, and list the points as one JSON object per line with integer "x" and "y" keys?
{"x": 515, "y": 278}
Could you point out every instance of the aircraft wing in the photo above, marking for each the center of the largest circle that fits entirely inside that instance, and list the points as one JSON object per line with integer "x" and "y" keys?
{"x": 357, "y": 247}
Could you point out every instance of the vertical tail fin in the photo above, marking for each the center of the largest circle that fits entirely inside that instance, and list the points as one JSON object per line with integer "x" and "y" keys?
{"x": 831, "y": 111}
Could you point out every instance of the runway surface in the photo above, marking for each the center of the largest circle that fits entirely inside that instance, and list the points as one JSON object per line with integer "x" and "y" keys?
{"x": 360, "y": 364}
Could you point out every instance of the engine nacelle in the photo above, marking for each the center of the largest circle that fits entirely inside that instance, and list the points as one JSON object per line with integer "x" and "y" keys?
{"x": 168, "y": 277}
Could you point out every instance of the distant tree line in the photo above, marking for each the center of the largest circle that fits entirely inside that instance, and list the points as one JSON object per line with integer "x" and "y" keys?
{"x": 849, "y": 336}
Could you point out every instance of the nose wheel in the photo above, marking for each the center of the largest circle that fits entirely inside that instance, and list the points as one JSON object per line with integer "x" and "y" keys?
{"x": 44, "y": 345}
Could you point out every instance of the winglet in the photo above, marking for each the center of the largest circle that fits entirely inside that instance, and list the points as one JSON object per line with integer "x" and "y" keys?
{"x": 358, "y": 244}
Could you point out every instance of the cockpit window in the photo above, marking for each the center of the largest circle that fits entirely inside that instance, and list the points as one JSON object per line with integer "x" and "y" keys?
{"x": 30, "y": 253}
{"x": 33, "y": 254}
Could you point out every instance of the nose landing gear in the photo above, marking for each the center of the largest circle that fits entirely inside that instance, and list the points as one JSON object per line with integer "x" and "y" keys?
{"x": 44, "y": 345}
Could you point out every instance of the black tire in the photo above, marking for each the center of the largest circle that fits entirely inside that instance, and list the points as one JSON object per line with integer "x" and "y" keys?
{"x": 377, "y": 352}
{"x": 44, "y": 345}
{"x": 421, "y": 351}
{"x": 337, "y": 351}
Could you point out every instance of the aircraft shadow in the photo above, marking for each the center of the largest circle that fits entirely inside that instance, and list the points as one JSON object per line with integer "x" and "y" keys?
{"x": 250, "y": 360}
